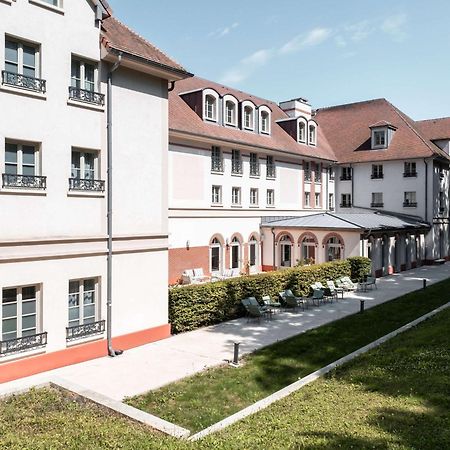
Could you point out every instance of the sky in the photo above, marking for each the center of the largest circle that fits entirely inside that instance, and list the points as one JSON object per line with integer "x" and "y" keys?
{"x": 328, "y": 51}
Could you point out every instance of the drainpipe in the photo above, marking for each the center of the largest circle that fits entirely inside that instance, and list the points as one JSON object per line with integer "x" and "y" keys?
{"x": 111, "y": 351}
{"x": 171, "y": 87}
{"x": 426, "y": 201}
{"x": 274, "y": 251}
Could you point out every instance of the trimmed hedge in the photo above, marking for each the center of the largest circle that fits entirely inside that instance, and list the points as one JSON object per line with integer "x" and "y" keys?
{"x": 196, "y": 306}
{"x": 360, "y": 267}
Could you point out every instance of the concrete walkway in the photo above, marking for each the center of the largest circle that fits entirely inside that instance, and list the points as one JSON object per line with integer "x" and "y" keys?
{"x": 154, "y": 365}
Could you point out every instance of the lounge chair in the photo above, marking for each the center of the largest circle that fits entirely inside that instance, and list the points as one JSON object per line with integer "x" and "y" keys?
{"x": 326, "y": 293}
{"x": 271, "y": 303}
{"x": 228, "y": 273}
{"x": 291, "y": 301}
{"x": 335, "y": 290}
{"x": 317, "y": 297}
{"x": 194, "y": 276}
{"x": 349, "y": 282}
{"x": 254, "y": 309}
{"x": 370, "y": 282}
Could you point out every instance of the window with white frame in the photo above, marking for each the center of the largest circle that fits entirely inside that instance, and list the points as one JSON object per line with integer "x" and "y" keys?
{"x": 249, "y": 114}
{"x": 57, "y": 3}
{"x": 270, "y": 167}
{"x": 210, "y": 107}
{"x": 215, "y": 255}
{"x": 331, "y": 202}
{"x": 377, "y": 171}
{"x": 318, "y": 173}
{"x": 20, "y": 312}
{"x": 84, "y": 165}
{"x": 312, "y": 135}
{"x": 254, "y": 196}
{"x": 377, "y": 200}
{"x": 21, "y": 159}
{"x": 270, "y": 197}
{"x": 307, "y": 199}
{"x": 236, "y": 196}
{"x": 317, "y": 200}
{"x": 230, "y": 113}
{"x": 410, "y": 200}
{"x": 253, "y": 252}
{"x": 216, "y": 195}
{"x": 307, "y": 170}
{"x": 410, "y": 170}
{"x": 379, "y": 138}
{"x": 254, "y": 165}
{"x": 346, "y": 200}
{"x": 346, "y": 173}
{"x": 236, "y": 162}
{"x": 235, "y": 253}
{"x": 302, "y": 132}
{"x": 265, "y": 122}
{"x": 84, "y": 75}
{"x": 216, "y": 159}
{"x": 21, "y": 58}
{"x": 83, "y": 304}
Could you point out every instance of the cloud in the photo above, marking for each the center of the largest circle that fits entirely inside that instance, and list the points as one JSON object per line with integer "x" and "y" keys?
{"x": 314, "y": 37}
{"x": 359, "y": 31}
{"x": 223, "y": 31}
{"x": 394, "y": 26}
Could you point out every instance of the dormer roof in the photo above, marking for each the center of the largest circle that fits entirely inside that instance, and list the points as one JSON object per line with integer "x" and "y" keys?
{"x": 383, "y": 124}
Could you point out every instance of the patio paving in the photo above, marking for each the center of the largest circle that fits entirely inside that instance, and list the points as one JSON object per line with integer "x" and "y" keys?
{"x": 154, "y": 365}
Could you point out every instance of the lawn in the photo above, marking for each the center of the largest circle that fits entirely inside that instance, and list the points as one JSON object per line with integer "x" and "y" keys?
{"x": 210, "y": 396}
{"x": 395, "y": 397}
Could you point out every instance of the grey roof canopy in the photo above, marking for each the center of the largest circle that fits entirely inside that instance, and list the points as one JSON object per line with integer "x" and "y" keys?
{"x": 364, "y": 222}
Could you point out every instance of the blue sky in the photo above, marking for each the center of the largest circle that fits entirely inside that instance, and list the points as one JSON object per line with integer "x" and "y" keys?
{"x": 328, "y": 51}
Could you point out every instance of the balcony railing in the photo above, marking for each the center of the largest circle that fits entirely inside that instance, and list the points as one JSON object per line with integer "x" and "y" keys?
{"x": 410, "y": 174}
{"x": 24, "y": 181}
{"x": 254, "y": 170}
{"x": 83, "y": 184}
{"x": 82, "y": 95}
{"x": 345, "y": 177}
{"x": 236, "y": 167}
{"x": 217, "y": 165}
{"x": 23, "y": 81}
{"x": 409, "y": 204}
{"x": 377, "y": 205}
{"x": 271, "y": 172}
{"x": 23, "y": 344}
{"x": 85, "y": 330}
{"x": 346, "y": 205}
{"x": 377, "y": 176}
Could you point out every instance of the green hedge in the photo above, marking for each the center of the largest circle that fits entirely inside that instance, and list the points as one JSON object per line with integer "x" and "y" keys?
{"x": 196, "y": 306}
{"x": 360, "y": 267}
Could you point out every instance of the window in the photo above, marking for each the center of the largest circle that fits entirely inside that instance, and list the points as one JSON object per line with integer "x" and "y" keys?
{"x": 270, "y": 167}
{"x": 346, "y": 173}
{"x": 317, "y": 200}
{"x": 410, "y": 170}
{"x": 84, "y": 82}
{"x": 270, "y": 197}
{"x": 254, "y": 165}
{"x": 312, "y": 135}
{"x": 334, "y": 248}
{"x": 441, "y": 202}
{"x": 318, "y": 173}
{"x": 331, "y": 202}
{"x": 307, "y": 171}
{"x": 331, "y": 173}
{"x": 410, "y": 200}
{"x": 377, "y": 171}
{"x": 84, "y": 172}
{"x": 216, "y": 159}
{"x": 302, "y": 132}
{"x": 379, "y": 138}
{"x": 82, "y": 302}
{"x": 236, "y": 196}
{"x": 22, "y": 66}
{"x": 346, "y": 200}
{"x": 248, "y": 117}
{"x": 210, "y": 107}
{"x": 307, "y": 199}
{"x": 236, "y": 162}
{"x": 308, "y": 245}
{"x": 20, "y": 312}
{"x": 215, "y": 250}
{"x": 22, "y": 167}
{"x": 265, "y": 122}
{"x": 377, "y": 200}
{"x": 253, "y": 247}
{"x": 285, "y": 251}
{"x": 216, "y": 195}
{"x": 52, "y": 2}
{"x": 235, "y": 253}
{"x": 254, "y": 197}
{"x": 230, "y": 113}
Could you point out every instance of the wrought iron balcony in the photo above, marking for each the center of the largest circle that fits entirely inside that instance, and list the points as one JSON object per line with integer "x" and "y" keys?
{"x": 24, "y": 181}
{"x": 82, "y": 95}
{"x": 85, "y": 330}
{"x": 377, "y": 176}
{"x": 23, "y": 344}
{"x": 377, "y": 205}
{"x": 216, "y": 165}
{"x": 409, "y": 204}
{"x": 23, "y": 81}
{"x": 236, "y": 167}
{"x": 83, "y": 184}
{"x": 410, "y": 174}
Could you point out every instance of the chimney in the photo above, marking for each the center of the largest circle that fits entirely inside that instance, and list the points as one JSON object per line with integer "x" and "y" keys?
{"x": 297, "y": 107}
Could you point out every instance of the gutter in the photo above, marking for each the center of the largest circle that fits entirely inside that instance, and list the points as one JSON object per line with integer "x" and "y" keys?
{"x": 111, "y": 351}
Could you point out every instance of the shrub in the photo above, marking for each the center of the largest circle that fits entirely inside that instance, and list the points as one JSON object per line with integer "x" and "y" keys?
{"x": 196, "y": 306}
{"x": 360, "y": 267}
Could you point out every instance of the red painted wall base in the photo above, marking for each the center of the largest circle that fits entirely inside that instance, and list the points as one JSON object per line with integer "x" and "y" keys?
{"x": 10, "y": 371}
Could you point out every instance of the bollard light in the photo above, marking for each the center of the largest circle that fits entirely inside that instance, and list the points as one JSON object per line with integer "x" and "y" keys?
{"x": 361, "y": 306}
{"x": 235, "y": 362}
{"x": 424, "y": 283}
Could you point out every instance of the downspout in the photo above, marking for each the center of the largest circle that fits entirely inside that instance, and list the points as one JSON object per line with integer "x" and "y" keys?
{"x": 111, "y": 351}
{"x": 171, "y": 87}
{"x": 426, "y": 202}
{"x": 274, "y": 251}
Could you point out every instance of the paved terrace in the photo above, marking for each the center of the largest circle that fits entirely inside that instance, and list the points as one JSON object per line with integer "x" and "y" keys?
{"x": 154, "y": 365}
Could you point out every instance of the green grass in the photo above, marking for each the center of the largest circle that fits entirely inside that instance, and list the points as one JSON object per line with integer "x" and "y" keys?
{"x": 210, "y": 396}
{"x": 395, "y": 397}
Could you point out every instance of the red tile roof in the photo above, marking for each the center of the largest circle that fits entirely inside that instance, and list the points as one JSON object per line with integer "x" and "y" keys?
{"x": 183, "y": 118}
{"x": 347, "y": 128}
{"x": 118, "y": 36}
{"x": 435, "y": 129}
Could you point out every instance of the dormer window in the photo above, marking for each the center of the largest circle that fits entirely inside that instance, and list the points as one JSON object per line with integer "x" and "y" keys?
{"x": 302, "y": 132}
{"x": 248, "y": 117}
{"x": 264, "y": 119}
{"x": 230, "y": 113}
{"x": 379, "y": 138}
{"x": 312, "y": 135}
{"x": 210, "y": 107}
{"x": 382, "y": 134}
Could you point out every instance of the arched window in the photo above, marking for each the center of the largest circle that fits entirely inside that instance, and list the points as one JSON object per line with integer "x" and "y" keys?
{"x": 210, "y": 107}
{"x": 302, "y": 132}
{"x": 264, "y": 122}
{"x": 285, "y": 251}
{"x": 235, "y": 253}
{"x": 253, "y": 252}
{"x": 248, "y": 117}
{"x": 334, "y": 249}
{"x": 312, "y": 134}
{"x": 230, "y": 113}
{"x": 309, "y": 249}
{"x": 215, "y": 255}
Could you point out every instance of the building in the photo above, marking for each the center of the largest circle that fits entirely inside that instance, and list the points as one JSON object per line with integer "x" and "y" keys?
{"x": 55, "y": 242}
{"x": 233, "y": 159}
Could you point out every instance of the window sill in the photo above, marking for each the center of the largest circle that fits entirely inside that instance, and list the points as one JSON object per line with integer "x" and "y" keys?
{"x": 265, "y": 133}
{"x": 237, "y": 174}
{"x": 209, "y": 120}
{"x": 45, "y": 5}
{"x": 24, "y": 92}
{"x": 271, "y": 178}
{"x": 19, "y": 191}
{"x": 85, "y": 105}
{"x": 255, "y": 176}
{"x": 217, "y": 172}
{"x": 216, "y": 205}
{"x": 270, "y": 206}
{"x": 254, "y": 206}
{"x": 92, "y": 194}
{"x": 236, "y": 206}
{"x": 8, "y": 2}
